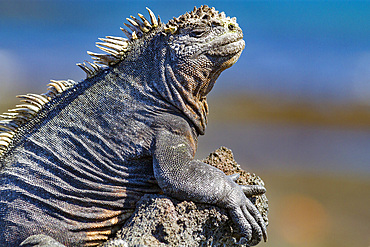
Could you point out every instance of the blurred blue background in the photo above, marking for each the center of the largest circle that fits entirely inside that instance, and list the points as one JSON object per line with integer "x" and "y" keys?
{"x": 295, "y": 108}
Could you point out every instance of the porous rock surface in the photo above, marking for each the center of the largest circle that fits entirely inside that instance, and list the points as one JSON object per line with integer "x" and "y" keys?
{"x": 160, "y": 220}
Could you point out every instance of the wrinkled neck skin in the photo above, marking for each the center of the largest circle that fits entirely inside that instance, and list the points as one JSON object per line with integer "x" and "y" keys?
{"x": 182, "y": 83}
{"x": 185, "y": 83}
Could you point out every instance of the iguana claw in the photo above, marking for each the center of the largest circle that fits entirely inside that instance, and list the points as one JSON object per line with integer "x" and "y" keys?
{"x": 253, "y": 190}
{"x": 234, "y": 176}
{"x": 245, "y": 214}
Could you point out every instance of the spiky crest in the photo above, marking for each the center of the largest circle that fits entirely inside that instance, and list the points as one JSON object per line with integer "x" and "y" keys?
{"x": 203, "y": 13}
{"x": 116, "y": 47}
{"x": 31, "y": 105}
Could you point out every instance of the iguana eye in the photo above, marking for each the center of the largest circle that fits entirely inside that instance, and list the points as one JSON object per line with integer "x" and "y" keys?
{"x": 197, "y": 33}
{"x": 231, "y": 27}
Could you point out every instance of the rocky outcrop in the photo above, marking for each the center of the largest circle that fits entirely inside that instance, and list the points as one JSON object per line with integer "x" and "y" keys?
{"x": 160, "y": 220}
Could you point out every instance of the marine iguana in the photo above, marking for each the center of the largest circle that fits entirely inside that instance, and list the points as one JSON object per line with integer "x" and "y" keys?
{"x": 75, "y": 160}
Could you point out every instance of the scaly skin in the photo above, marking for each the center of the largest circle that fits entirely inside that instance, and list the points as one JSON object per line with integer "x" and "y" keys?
{"x": 74, "y": 171}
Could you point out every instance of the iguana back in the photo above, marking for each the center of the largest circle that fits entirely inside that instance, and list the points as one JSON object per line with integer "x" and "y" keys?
{"x": 82, "y": 171}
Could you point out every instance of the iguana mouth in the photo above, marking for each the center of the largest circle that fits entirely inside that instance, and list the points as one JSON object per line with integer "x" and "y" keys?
{"x": 232, "y": 47}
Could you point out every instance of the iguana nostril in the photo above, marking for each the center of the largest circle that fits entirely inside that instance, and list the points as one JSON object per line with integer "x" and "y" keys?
{"x": 231, "y": 27}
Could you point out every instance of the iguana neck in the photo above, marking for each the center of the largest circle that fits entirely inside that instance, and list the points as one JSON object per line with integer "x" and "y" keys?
{"x": 178, "y": 85}
{"x": 184, "y": 88}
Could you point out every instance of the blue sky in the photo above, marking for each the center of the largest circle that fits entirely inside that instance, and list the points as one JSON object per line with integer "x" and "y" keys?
{"x": 312, "y": 49}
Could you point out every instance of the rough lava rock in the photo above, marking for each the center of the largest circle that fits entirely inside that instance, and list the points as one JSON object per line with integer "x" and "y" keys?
{"x": 160, "y": 220}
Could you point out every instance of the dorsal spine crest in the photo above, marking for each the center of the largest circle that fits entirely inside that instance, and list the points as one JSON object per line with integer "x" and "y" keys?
{"x": 31, "y": 104}
{"x": 117, "y": 47}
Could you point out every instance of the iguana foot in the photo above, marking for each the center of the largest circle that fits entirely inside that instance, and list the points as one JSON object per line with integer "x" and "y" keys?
{"x": 40, "y": 241}
{"x": 244, "y": 213}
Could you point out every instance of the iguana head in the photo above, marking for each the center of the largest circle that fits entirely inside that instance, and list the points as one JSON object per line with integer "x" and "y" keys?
{"x": 184, "y": 56}
{"x": 202, "y": 44}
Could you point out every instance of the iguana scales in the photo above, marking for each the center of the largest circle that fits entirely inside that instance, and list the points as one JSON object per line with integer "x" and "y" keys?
{"x": 75, "y": 160}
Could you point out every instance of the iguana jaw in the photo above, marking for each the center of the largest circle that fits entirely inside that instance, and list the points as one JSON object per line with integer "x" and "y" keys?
{"x": 231, "y": 52}
{"x": 227, "y": 49}
{"x": 227, "y": 55}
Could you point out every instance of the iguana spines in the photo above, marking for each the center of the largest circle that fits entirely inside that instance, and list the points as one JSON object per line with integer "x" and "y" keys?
{"x": 204, "y": 13}
{"x": 117, "y": 47}
{"x": 32, "y": 103}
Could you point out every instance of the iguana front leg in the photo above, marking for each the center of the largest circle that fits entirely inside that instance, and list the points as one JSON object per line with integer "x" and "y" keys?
{"x": 182, "y": 177}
